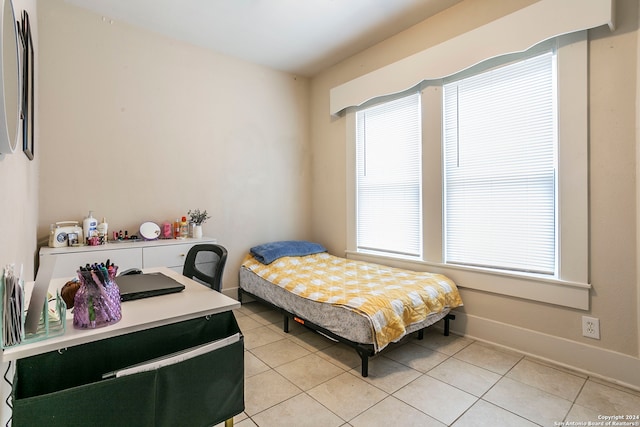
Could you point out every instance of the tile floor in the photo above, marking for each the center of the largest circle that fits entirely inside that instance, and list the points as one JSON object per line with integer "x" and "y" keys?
{"x": 304, "y": 379}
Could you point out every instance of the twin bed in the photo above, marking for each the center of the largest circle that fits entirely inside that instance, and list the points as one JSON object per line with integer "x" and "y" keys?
{"x": 364, "y": 305}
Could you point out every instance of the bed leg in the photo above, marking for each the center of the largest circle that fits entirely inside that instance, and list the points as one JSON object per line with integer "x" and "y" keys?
{"x": 364, "y": 357}
{"x": 365, "y": 364}
{"x": 421, "y": 334}
{"x": 447, "y": 318}
{"x": 285, "y": 324}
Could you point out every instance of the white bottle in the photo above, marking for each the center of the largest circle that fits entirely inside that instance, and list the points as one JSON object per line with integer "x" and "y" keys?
{"x": 89, "y": 226}
{"x": 103, "y": 229}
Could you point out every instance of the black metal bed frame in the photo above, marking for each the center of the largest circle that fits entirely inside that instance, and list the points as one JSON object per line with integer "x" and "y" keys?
{"x": 364, "y": 350}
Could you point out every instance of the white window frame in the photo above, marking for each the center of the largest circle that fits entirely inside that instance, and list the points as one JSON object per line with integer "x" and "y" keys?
{"x": 570, "y": 287}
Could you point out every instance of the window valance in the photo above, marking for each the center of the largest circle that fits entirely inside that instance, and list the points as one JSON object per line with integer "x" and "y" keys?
{"x": 512, "y": 33}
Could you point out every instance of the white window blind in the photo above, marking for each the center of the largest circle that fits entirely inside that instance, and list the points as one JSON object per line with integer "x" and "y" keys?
{"x": 500, "y": 143}
{"x": 388, "y": 182}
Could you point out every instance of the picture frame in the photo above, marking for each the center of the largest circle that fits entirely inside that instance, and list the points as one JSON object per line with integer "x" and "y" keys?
{"x": 28, "y": 89}
{"x": 73, "y": 239}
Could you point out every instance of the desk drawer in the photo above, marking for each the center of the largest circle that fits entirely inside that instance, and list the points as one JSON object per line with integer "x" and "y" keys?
{"x": 67, "y": 264}
{"x": 165, "y": 256}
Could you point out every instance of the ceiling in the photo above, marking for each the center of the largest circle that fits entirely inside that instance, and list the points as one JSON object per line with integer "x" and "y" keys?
{"x": 301, "y": 37}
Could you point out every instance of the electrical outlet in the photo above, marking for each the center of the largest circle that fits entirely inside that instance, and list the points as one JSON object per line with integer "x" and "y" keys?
{"x": 591, "y": 327}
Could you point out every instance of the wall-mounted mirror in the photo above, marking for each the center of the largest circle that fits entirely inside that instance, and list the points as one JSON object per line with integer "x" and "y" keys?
{"x": 10, "y": 87}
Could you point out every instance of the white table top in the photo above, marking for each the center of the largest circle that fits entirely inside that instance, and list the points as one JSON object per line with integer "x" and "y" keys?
{"x": 194, "y": 301}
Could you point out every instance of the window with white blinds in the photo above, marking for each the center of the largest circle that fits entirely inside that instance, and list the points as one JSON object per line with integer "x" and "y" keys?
{"x": 496, "y": 194}
{"x": 500, "y": 188}
{"x": 388, "y": 181}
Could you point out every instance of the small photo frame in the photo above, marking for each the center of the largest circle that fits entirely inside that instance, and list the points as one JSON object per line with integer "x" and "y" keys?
{"x": 72, "y": 239}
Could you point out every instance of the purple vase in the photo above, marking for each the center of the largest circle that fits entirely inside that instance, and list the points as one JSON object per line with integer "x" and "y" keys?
{"x": 97, "y": 301}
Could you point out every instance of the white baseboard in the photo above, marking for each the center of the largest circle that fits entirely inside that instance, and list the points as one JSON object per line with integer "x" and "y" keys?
{"x": 605, "y": 364}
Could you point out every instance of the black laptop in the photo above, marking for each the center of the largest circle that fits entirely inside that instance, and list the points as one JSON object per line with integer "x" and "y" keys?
{"x": 136, "y": 286}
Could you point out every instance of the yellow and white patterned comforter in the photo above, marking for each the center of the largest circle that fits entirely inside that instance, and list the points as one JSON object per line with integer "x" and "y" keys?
{"x": 391, "y": 298}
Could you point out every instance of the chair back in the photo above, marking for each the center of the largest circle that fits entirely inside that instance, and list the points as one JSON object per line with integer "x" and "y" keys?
{"x": 205, "y": 264}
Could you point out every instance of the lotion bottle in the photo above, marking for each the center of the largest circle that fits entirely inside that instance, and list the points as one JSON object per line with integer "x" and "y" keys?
{"x": 89, "y": 226}
{"x": 103, "y": 229}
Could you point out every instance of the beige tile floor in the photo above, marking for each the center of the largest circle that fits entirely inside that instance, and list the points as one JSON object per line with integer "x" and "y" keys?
{"x": 304, "y": 379}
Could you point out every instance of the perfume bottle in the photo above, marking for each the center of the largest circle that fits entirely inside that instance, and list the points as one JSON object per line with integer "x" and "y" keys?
{"x": 176, "y": 228}
{"x": 184, "y": 228}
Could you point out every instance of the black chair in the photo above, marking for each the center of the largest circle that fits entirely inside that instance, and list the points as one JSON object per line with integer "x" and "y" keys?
{"x": 205, "y": 264}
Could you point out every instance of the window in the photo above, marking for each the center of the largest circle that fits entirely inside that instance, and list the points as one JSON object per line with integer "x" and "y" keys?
{"x": 508, "y": 217}
{"x": 388, "y": 146}
{"x": 499, "y": 148}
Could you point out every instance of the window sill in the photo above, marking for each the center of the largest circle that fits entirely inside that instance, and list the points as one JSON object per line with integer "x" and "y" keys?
{"x": 527, "y": 286}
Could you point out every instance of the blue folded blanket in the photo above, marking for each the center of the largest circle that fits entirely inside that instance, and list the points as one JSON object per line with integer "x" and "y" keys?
{"x": 269, "y": 252}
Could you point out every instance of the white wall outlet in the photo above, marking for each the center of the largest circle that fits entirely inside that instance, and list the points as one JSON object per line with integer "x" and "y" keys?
{"x": 591, "y": 327}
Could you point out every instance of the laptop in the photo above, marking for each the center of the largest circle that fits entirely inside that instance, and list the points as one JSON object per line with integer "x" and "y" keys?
{"x": 137, "y": 286}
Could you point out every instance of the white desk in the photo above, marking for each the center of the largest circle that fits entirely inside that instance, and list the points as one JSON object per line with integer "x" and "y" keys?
{"x": 195, "y": 300}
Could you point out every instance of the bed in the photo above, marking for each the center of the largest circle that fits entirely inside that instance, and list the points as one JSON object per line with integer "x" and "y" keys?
{"x": 365, "y": 305}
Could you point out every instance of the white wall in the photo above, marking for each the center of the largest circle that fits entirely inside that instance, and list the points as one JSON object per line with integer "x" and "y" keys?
{"x": 138, "y": 127}
{"x": 19, "y": 187}
{"x": 19, "y": 206}
{"x": 545, "y": 330}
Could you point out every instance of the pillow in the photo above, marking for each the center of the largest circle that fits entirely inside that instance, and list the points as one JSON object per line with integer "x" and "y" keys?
{"x": 269, "y": 252}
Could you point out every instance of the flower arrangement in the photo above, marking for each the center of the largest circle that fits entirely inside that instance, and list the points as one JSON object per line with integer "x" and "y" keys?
{"x": 197, "y": 217}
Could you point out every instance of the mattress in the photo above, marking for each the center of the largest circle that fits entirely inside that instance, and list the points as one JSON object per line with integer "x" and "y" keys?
{"x": 282, "y": 288}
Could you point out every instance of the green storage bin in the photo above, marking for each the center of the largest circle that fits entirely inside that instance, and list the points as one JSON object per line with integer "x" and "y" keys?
{"x": 67, "y": 389}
